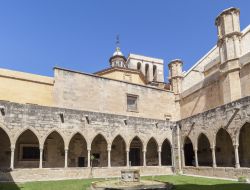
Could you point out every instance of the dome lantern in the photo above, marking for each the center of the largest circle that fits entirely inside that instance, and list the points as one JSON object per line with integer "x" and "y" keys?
{"x": 118, "y": 59}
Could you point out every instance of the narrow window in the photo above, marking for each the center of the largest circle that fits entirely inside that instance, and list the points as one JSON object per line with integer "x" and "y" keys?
{"x": 154, "y": 73}
{"x": 138, "y": 66}
{"x": 146, "y": 71}
{"x": 132, "y": 101}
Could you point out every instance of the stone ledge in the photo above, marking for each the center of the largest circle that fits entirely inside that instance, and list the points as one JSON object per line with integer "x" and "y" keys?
{"x": 50, "y": 174}
{"x": 225, "y": 172}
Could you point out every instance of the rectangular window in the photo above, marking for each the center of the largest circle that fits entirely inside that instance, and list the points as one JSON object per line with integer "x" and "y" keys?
{"x": 30, "y": 152}
{"x": 132, "y": 101}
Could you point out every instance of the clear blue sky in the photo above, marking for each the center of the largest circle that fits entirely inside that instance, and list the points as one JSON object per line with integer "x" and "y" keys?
{"x": 36, "y": 35}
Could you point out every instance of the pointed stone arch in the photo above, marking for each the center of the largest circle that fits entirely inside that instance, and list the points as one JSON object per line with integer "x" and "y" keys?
{"x": 77, "y": 152}
{"x": 49, "y": 133}
{"x": 118, "y": 151}
{"x": 152, "y": 152}
{"x": 72, "y": 135}
{"x": 140, "y": 138}
{"x": 27, "y": 149}
{"x": 135, "y": 151}
{"x": 166, "y": 153}
{"x": 224, "y": 149}
{"x": 8, "y": 132}
{"x": 5, "y": 148}
{"x": 244, "y": 143}
{"x": 54, "y": 150}
{"x": 154, "y": 139}
{"x": 188, "y": 152}
{"x": 99, "y": 134}
{"x": 123, "y": 138}
{"x": 34, "y": 131}
{"x": 204, "y": 151}
{"x": 99, "y": 146}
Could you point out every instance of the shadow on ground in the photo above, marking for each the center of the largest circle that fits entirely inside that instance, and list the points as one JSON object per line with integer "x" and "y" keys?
{"x": 232, "y": 186}
{"x": 9, "y": 186}
{"x": 13, "y": 186}
{"x": 6, "y": 176}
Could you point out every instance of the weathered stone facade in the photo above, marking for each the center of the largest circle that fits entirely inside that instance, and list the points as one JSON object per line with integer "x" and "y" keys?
{"x": 80, "y": 134}
{"x": 78, "y": 125}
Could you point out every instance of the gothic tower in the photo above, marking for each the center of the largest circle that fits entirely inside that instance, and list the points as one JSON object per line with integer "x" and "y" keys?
{"x": 229, "y": 37}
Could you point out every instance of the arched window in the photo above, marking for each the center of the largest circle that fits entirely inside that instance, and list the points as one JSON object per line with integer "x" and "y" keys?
{"x": 146, "y": 71}
{"x": 138, "y": 66}
{"x": 154, "y": 73}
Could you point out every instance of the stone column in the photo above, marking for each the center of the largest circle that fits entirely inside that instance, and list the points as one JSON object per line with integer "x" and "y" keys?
{"x": 109, "y": 157}
{"x": 159, "y": 156}
{"x": 12, "y": 157}
{"x": 127, "y": 153}
{"x": 89, "y": 150}
{"x": 178, "y": 148}
{"x": 196, "y": 157}
{"x": 41, "y": 158}
{"x": 213, "y": 157}
{"x": 144, "y": 158}
{"x": 183, "y": 157}
{"x": 236, "y": 153}
{"x": 172, "y": 156}
{"x": 66, "y": 158}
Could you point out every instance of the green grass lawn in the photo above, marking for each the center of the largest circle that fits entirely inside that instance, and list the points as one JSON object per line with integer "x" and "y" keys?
{"x": 180, "y": 183}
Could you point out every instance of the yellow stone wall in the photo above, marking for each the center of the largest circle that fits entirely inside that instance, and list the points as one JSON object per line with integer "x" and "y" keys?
{"x": 124, "y": 76}
{"x": 25, "y": 88}
{"x": 245, "y": 80}
{"x": 201, "y": 100}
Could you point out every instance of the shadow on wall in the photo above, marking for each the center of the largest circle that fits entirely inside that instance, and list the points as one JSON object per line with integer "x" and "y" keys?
{"x": 232, "y": 186}
{"x": 6, "y": 181}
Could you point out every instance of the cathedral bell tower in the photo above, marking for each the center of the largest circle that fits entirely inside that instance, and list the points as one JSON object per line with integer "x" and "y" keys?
{"x": 118, "y": 59}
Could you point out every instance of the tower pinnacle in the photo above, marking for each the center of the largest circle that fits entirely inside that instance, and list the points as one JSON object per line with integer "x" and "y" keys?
{"x": 117, "y": 41}
{"x": 118, "y": 59}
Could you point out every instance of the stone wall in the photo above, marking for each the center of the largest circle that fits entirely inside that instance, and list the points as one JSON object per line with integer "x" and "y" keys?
{"x": 88, "y": 92}
{"x": 231, "y": 173}
{"x": 43, "y": 127}
{"x": 195, "y": 74}
{"x": 245, "y": 75}
{"x": 25, "y": 175}
{"x": 124, "y": 75}
{"x": 201, "y": 97}
{"x": 230, "y": 117}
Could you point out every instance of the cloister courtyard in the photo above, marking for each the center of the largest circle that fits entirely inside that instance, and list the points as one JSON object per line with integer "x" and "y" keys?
{"x": 179, "y": 182}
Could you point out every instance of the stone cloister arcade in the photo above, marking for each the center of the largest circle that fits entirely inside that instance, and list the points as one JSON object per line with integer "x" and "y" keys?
{"x": 225, "y": 148}
{"x": 29, "y": 150}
